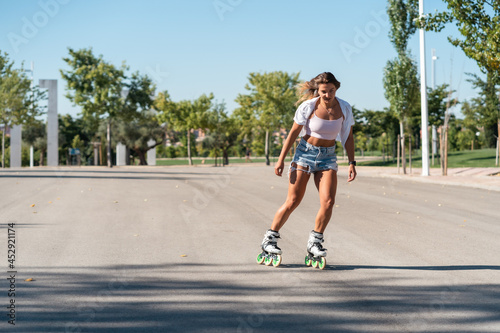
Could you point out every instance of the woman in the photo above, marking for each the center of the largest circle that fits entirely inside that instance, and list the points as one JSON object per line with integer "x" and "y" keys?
{"x": 321, "y": 118}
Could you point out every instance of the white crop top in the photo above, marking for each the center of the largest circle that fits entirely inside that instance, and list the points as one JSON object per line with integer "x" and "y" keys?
{"x": 305, "y": 110}
{"x": 323, "y": 128}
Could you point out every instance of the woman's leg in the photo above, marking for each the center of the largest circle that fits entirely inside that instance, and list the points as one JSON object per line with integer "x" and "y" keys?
{"x": 326, "y": 182}
{"x": 296, "y": 189}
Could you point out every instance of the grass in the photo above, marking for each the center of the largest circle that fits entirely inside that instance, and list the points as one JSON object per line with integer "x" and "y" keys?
{"x": 211, "y": 160}
{"x": 482, "y": 158}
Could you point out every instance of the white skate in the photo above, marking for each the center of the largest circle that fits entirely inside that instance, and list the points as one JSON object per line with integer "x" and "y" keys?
{"x": 315, "y": 252}
{"x": 271, "y": 253}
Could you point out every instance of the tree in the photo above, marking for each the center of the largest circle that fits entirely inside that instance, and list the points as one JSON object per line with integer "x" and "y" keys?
{"x": 96, "y": 86}
{"x": 478, "y": 22}
{"x": 400, "y": 75}
{"x": 224, "y": 130}
{"x": 402, "y": 91}
{"x": 382, "y": 126}
{"x": 436, "y": 101}
{"x": 402, "y": 14}
{"x": 470, "y": 127}
{"x": 270, "y": 101}
{"x": 140, "y": 92}
{"x": 136, "y": 135}
{"x": 184, "y": 115}
{"x": 35, "y": 135}
{"x": 248, "y": 126}
{"x": 19, "y": 104}
{"x": 487, "y": 106}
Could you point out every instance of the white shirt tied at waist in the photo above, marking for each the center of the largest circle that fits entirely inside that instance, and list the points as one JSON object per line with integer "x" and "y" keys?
{"x": 306, "y": 108}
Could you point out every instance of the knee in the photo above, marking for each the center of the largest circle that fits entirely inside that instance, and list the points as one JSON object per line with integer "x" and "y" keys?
{"x": 292, "y": 203}
{"x": 328, "y": 203}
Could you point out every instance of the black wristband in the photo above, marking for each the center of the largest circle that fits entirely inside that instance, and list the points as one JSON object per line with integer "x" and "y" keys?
{"x": 352, "y": 162}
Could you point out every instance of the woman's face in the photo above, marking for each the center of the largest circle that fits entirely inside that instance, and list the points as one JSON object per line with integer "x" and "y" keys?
{"x": 326, "y": 92}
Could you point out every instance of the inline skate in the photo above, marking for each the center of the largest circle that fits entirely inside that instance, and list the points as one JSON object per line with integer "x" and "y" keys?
{"x": 315, "y": 252}
{"x": 271, "y": 253}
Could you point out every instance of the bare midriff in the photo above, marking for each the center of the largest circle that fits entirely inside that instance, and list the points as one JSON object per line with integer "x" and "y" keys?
{"x": 319, "y": 142}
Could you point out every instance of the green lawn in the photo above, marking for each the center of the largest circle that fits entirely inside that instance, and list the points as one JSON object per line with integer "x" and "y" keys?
{"x": 481, "y": 158}
{"x": 457, "y": 159}
{"x": 211, "y": 160}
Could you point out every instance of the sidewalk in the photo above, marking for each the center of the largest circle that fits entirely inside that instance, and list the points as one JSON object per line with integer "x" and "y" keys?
{"x": 484, "y": 178}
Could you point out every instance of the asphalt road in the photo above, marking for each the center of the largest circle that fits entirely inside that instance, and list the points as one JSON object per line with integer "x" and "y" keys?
{"x": 172, "y": 249}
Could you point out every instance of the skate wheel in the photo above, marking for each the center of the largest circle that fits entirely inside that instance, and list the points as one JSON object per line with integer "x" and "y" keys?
{"x": 322, "y": 263}
{"x": 260, "y": 258}
{"x": 276, "y": 260}
{"x": 268, "y": 261}
{"x": 308, "y": 261}
{"x": 315, "y": 263}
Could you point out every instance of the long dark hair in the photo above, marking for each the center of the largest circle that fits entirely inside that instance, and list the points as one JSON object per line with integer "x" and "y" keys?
{"x": 309, "y": 89}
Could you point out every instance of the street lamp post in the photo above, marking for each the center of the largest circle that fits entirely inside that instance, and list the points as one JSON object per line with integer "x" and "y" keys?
{"x": 434, "y": 131}
{"x": 33, "y": 94}
{"x": 434, "y": 58}
{"x": 423, "y": 94}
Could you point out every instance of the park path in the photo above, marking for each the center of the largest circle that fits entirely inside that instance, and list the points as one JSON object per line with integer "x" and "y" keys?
{"x": 172, "y": 249}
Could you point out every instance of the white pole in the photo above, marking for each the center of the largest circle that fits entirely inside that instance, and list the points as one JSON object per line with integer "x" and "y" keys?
{"x": 423, "y": 94}
{"x": 31, "y": 157}
{"x": 32, "y": 92}
{"x": 434, "y": 58}
{"x": 434, "y": 142}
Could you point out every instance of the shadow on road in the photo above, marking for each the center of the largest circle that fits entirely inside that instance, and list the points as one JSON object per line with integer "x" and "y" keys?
{"x": 186, "y": 298}
{"x": 419, "y": 268}
{"x": 70, "y": 176}
{"x": 68, "y": 173}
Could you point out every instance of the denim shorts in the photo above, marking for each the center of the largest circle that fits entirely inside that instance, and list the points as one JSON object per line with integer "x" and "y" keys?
{"x": 314, "y": 158}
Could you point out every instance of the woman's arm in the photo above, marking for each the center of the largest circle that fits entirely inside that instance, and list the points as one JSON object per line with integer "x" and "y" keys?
{"x": 292, "y": 136}
{"x": 349, "y": 147}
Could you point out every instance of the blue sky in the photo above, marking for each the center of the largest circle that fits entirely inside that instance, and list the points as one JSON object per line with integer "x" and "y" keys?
{"x": 202, "y": 46}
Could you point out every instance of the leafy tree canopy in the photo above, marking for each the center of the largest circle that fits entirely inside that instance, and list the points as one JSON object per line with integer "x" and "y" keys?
{"x": 479, "y": 23}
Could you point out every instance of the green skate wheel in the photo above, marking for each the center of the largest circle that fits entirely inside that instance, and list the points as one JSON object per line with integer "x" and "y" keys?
{"x": 260, "y": 258}
{"x": 277, "y": 260}
{"x": 315, "y": 263}
{"x": 322, "y": 263}
{"x": 268, "y": 261}
{"x": 308, "y": 261}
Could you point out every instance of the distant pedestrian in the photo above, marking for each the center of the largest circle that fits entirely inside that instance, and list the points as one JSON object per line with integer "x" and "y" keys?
{"x": 247, "y": 155}
{"x": 321, "y": 118}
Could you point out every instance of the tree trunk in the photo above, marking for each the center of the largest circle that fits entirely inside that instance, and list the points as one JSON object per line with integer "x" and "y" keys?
{"x": 403, "y": 150}
{"x": 267, "y": 148}
{"x": 225, "y": 157}
{"x": 443, "y": 136}
{"x": 498, "y": 136}
{"x": 3, "y": 145}
{"x": 498, "y": 131}
{"x": 441, "y": 150}
{"x": 409, "y": 151}
{"x": 445, "y": 157}
{"x": 189, "y": 147}
{"x": 108, "y": 138}
{"x": 142, "y": 157}
{"x": 42, "y": 154}
{"x": 498, "y": 153}
{"x": 399, "y": 151}
{"x": 101, "y": 154}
